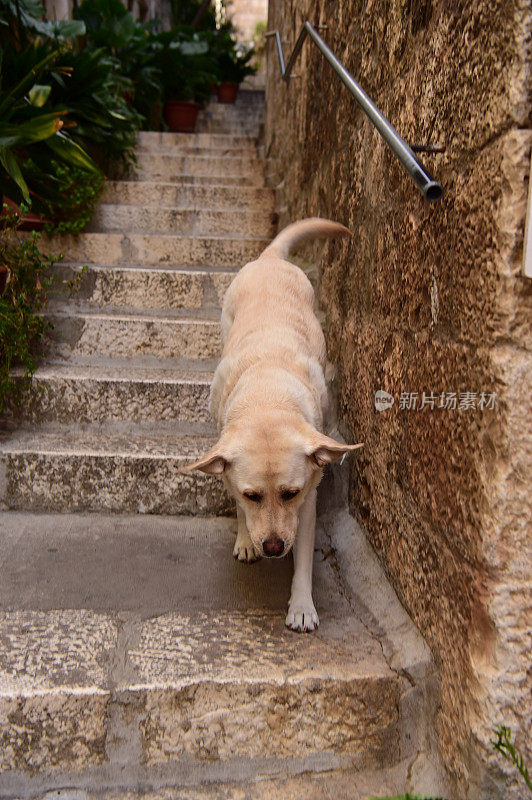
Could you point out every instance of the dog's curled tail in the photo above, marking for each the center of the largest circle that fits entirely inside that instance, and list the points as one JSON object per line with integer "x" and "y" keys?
{"x": 293, "y": 235}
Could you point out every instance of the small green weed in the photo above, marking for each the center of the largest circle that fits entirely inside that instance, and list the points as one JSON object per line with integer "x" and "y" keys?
{"x": 80, "y": 192}
{"x": 74, "y": 283}
{"x": 504, "y": 746}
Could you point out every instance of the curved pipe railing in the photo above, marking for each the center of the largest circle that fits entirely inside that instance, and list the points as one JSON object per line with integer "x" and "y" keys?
{"x": 430, "y": 188}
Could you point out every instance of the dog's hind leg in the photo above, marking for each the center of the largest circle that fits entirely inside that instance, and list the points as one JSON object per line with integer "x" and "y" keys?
{"x": 243, "y": 549}
{"x": 302, "y": 615}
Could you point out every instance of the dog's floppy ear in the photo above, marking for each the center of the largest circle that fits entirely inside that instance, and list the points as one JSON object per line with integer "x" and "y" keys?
{"x": 213, "y": 462}
{"x": 323, "y": 450}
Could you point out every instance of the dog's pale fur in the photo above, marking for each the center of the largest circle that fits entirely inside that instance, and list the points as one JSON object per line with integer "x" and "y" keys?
{"x": 269, "y": 399}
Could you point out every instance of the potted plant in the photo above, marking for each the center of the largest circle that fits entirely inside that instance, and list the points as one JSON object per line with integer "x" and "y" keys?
{"x": 232, "y": 67}
{"x": 187, "y": 70}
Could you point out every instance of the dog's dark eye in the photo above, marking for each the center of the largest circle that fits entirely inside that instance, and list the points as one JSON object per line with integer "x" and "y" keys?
{"x": 288, "y": 494}
{"x": 254, "y": 496}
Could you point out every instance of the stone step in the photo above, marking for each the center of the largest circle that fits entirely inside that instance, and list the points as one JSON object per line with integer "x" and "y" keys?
{"x": 86, "y": 287}
{"x": 240, "y": 127}
{"x": 70, "y": 394}
{"x": 111, "y": 217}
{"x": 251, "y": 151}
{"x": 255, "y": 180}
{"x": 171, "y": 167}
{"x": 191, "y": 142}
{"x": 126, "y": 471}
{"x": 245, "y": 98}
{"x": 331, "y": 784}
{"x": 239, "y": 112}
{"x": 245, "y": 117}
{"x": 192, "y": 196}
{"x": 162, "y": 660}
{"x": 114, "y": 249}
{"x": 130, "y": 336}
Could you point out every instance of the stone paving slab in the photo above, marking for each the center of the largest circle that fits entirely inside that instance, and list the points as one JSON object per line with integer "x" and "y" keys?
{"x": 247, "y": 147}
{"x": 252, "y": 180}
{"x": 154, "y": 140}
{"x": 188, "y": 195}
{"x": 198, "y": 665}
{"x": 101, "y": 471}
{"x": 81, "y": 395}
{"x": 169, "y": 164}
{"x": 330, "y": 785}
{"x": 131, "y": 336}
{"x": 109, "y": 217}
{"x": 84, "y": 287}
{"x": 108, "y": 249}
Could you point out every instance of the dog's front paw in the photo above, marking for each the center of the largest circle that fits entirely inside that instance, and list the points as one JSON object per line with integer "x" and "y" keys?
{"x": 245, "y": 552}
{"x": 302, "y": 617}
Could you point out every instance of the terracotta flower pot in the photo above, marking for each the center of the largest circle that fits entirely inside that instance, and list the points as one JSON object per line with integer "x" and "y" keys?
{"x": 181, "y": 115}
{"x": 227, "y": 92}
{"x": 28, "y": 221}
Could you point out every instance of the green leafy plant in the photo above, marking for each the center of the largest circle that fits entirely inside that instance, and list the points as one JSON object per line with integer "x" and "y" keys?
{"x": 25, "y": 280}
{"x": 24, "y": 19}
{"x": 132, "y": 44}
{"x": 186, "y": 65}
{"x": 31, "y": 128}
{"x": 74, "y": 284}
{"x": 81, "y": 192}
{"x": 503, "y": 744}
{"x": 90, "y": 86}
{"x": 197, "y": 14}
{"x": 233, "y": 62}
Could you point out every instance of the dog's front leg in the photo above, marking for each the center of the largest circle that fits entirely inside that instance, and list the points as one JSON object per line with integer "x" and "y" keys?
{"x": 243, "y": 549}
{"x": 302, "y": 615}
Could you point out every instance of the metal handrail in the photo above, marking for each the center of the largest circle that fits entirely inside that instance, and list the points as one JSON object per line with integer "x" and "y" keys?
{"x": 430, "y": 188}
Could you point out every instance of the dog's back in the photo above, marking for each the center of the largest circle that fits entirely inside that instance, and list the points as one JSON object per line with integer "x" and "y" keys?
{"x": 269, "y": 325}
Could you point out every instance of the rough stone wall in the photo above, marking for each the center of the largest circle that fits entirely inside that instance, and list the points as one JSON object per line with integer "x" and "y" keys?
{"x": 429, "y": 298}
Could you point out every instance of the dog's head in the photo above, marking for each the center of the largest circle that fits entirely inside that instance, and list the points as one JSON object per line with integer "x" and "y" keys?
{"x": 269, "y": 466}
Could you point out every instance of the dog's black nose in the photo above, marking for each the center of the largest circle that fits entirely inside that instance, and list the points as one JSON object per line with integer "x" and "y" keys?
{"x": 273, "y": 547}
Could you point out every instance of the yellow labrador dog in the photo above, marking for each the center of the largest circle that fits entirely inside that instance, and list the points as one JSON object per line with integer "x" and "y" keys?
{"x": 269, "y": 399}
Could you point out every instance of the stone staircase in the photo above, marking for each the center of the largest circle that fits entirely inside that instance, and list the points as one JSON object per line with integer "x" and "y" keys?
{"x": 135, "y": 653}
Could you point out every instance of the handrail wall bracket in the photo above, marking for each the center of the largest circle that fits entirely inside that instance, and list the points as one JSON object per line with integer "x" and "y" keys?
{"x": 430, "y": 188}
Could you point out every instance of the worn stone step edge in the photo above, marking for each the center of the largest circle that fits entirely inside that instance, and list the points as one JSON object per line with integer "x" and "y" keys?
{"x": 239, "y": 126}
{"x": 192, "y": 196}
{"x": 132, "y": 336}
{"x": 319, "y": 780}
{"x": 144, "y": 361}
{"x": 231, "y": 114}
{"x": 152, "y": 289}
{"x": 181, "y": 290}
{"x": 173, "y": 667}
{"x": 120, "y": 217}
{"x": 116, "y": 474}
{"x": 98, "y": 395}
{"x": 253, "y": 180}
{"x": 108, "y": 249}
{"x": 220, "y": 163}
{"x": 196, "y": 140}
{"x": 249, "y": 150}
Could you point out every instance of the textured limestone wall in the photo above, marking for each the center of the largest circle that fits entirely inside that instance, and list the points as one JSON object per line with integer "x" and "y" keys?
{"x": 429, "y": 298}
